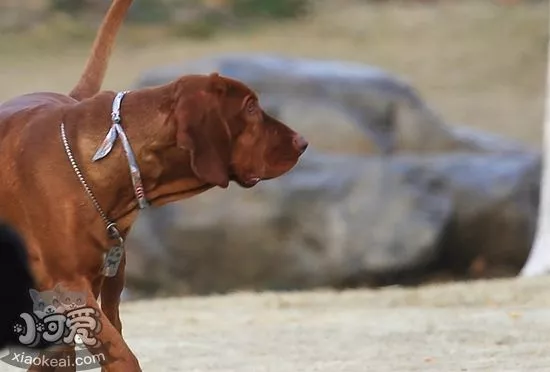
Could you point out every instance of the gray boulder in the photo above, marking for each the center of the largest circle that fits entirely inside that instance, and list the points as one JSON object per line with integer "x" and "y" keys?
{"x": 341, "y": 221}
{"x": 341, "y": 107}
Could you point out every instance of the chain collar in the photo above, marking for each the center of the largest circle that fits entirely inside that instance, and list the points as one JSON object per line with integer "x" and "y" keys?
{"x": 111, "y": 265}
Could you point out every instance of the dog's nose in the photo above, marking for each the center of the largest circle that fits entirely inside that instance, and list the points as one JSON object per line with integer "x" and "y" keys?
{"x": 300, "y": 143}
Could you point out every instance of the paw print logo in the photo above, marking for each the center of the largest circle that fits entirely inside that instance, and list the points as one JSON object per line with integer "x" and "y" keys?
{"x": 40, "y": 327}
{"x": 18, "y": 329}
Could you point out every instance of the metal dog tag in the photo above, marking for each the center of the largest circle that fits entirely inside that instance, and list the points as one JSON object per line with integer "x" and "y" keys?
{"x": 112, "y": 260}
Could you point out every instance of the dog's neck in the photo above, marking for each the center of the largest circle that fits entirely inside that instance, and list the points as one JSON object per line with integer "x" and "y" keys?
{"x": 147, "y": 119}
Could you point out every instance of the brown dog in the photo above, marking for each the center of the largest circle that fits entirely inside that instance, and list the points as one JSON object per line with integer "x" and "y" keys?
{"x": 188, "y": 136}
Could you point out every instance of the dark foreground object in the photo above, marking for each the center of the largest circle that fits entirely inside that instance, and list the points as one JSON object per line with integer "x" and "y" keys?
{"x": 15, "y": 282}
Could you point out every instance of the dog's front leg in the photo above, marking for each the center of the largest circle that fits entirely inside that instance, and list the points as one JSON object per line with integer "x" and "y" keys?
{"x": 113, "y": 352}
{"x": 111, "y": 291}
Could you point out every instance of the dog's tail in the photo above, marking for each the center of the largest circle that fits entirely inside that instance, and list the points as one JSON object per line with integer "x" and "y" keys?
{"x": 92, "y": 78}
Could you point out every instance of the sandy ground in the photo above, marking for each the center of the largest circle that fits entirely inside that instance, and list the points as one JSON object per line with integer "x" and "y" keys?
{"x": 499, "y": 326}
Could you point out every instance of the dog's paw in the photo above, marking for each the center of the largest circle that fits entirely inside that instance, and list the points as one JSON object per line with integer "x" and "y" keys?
{"x": 40, "y": 327}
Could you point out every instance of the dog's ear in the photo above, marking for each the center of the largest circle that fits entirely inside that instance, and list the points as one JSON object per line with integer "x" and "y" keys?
{"x": 202, "y": 130}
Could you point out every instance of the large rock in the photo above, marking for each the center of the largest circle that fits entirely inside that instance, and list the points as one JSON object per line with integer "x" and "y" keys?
{"x": 343, "y": 220}
{"x": 341, "y": 107}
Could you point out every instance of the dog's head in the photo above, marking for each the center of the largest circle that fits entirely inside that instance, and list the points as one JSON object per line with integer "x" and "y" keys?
{"x": 228, "y": 135}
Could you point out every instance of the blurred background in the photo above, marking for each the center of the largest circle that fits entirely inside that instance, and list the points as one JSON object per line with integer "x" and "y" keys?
{"x": 424, "y": 119}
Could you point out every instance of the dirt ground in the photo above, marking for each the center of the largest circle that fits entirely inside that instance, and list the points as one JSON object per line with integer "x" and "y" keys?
{"x": 484, "y": 326}
{"x": 497, "y": 326}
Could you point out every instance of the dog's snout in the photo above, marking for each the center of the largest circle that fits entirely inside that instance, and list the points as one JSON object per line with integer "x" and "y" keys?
{"x": 300, "y": 143}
